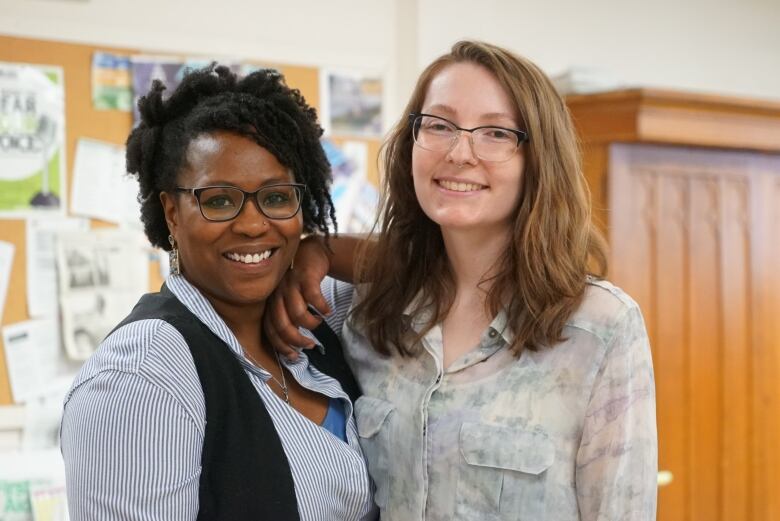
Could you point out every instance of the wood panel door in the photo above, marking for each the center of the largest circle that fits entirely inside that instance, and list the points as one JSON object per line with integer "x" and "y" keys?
{"x": 695, "y": 239}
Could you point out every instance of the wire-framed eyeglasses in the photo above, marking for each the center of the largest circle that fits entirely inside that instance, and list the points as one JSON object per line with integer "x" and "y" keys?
{"x": 223, "y": 203}
{"x": 488, "y": 142}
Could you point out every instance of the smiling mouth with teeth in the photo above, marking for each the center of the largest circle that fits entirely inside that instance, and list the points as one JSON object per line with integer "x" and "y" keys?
{"x": 249, "y": 258}
{"x": 460, "y": 187}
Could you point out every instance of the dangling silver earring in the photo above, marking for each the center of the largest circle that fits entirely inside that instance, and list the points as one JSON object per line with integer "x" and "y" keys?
{"x": 173, "y": 257}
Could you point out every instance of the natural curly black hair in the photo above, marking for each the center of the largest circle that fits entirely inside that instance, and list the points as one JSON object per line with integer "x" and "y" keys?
{"x": 259, "y": 106}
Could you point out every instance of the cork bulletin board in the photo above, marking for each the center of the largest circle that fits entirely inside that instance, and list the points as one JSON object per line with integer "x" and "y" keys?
{"x": 111, "y": 126}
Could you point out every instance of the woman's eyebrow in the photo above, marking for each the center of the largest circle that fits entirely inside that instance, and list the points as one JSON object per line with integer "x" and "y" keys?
{"x": 442, "y": 108}
{"x": 276, "y": 180}
{"x": 494, "y": 115}
{"x": 451, "y": 112}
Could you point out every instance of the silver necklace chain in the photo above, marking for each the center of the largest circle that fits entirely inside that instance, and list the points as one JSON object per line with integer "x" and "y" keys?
{"x": 283, "y": 383}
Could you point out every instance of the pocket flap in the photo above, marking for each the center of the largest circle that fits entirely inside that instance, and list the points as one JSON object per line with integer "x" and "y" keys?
{"x": 370, "y": 414}
{"x": 497, "y": 446}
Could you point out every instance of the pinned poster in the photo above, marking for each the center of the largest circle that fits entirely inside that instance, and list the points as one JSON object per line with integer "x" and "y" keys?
{"x": 32, "y": 140}
{"x": 48, "y": 500}
{"x": 351, "y": 104}
{"x": 355, "y": 199}
{"x": 111, "y": 85}
{"x": 15, "y": 500}
{"x": 169, "y": 70}
{"x": 101, "y": 274}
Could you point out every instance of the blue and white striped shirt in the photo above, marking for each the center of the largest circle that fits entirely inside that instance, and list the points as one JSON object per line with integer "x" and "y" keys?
{"x": 134, "y": 421}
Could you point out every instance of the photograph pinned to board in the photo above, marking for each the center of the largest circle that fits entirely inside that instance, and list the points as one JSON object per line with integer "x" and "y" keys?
{"x": 112, "y": 88}
{"x": 355, "y": 198}
{"x": 351, "y": 103}
{"x": 101, "y": 187}
{"x": 41, "y": 234}
{"x": 169, "y": 70}
{"x": 102, "y": 274}
{"x": 32, "y": 140}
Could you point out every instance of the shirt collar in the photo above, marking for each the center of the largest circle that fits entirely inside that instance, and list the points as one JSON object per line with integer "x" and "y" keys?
{"x": 495, "y": 338}
{"x": 501, "y": 326}
{"x": 417, "y": 319}
{"x": 200, "y": 306}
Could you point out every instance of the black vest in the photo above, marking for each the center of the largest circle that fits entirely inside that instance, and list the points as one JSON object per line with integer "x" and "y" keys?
{"x": 245, "y": 474}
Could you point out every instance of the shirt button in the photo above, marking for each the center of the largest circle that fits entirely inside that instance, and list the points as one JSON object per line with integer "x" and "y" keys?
{"x": 492, "y": 333}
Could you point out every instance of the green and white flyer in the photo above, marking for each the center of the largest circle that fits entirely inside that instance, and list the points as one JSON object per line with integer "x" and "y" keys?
{"x": 32, "y": 140}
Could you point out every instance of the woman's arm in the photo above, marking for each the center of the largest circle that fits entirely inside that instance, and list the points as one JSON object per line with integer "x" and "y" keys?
{"x": 289, "y": 306}
{"x": 617, "y": 462}
{"x": 131, "y": 451}
{"x": 341, "y": 251}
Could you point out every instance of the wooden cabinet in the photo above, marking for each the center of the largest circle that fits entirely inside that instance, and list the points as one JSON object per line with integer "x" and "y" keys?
{"x": 688, "y": 191}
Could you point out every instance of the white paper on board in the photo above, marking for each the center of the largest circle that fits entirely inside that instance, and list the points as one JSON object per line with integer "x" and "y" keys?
{"x": 35, "y": 360}
{"x": 42, "y": 262}
{"x": 101, "y": 187}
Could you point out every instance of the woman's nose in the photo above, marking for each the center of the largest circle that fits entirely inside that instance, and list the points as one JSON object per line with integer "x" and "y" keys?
{"x": 250, "y": 220}
{"x": 462, "y": 150}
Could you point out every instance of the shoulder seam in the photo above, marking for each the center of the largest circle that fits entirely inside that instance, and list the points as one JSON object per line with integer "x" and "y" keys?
{"x": 626, "y": 307}
{"x": 145, "y": 346}
{"x": 151, "y": 384}
{"x": 613, "y": 290}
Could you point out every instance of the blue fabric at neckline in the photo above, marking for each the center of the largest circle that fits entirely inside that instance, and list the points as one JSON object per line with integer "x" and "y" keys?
{"x": 335, "y": 420}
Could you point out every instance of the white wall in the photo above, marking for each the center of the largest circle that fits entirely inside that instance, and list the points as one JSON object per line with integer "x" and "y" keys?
{"x": 348, "y": 34}
{"x": 306, "y": 32}
{"x": 721, "y": 46}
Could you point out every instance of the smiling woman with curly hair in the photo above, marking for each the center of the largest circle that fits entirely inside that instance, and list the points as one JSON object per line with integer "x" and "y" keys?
{"x": 184, "y": 412}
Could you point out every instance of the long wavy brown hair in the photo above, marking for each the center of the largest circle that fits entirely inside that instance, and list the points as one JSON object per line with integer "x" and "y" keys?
{"x": 540, "y": 279}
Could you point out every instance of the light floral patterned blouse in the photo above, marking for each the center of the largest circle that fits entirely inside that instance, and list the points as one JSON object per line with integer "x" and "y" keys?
{"x": 562, "y": 433}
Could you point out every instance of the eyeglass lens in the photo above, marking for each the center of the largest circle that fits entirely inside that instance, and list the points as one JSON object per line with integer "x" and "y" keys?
{"x": 223, "y": 203}
{"x": 439, "y": 135}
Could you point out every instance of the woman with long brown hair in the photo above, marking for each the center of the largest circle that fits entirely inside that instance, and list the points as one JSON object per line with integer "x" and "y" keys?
{"x": 502, "y": 377}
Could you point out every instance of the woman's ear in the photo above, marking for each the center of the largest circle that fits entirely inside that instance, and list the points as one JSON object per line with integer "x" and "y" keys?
{"x": 168, "y": 202}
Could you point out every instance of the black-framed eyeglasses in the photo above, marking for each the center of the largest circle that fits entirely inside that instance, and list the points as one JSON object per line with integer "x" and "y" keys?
{"x": 223, "y": 203}
{"x": 490, "y": 143}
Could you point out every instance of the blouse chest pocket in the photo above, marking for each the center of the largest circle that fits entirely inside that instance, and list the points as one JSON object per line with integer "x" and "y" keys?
{"x": 505, "y": 471}
{"x": 372, "y": 417}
